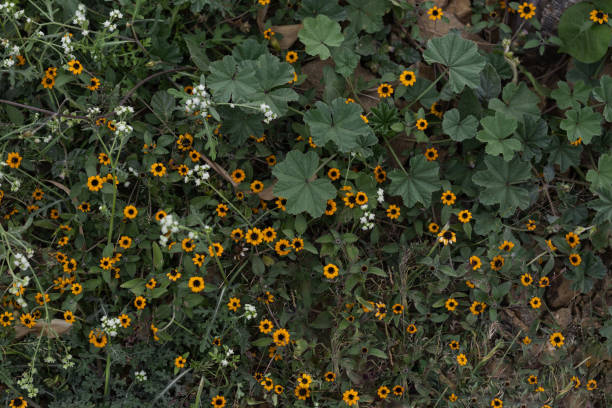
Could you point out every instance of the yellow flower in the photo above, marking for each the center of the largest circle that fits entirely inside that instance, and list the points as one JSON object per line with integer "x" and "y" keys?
{"x": 435, "y": 13}
{"x": 233, "y": 304}
{"x": 385, "y": 90}
{"x": 281, "y": 337}
{"x": 462, "y": 359}
{"x": 350, "y": 397}
{"x": 265, "y": 326}
{"x": 526, "y": 10}
{"x": 448, "y": 198}
{"x": 158, "y": 169}
{"x": 421, "y": 124}
{"x": 196, "y": 284}
{"x": 291, "y": 56}
{"x": 407, "y": 78}
{"x": 556, "y": 339}
{"x": 598, "y": 16}
{"x": 13, "y": 160}
{"x": 75, "y": 67}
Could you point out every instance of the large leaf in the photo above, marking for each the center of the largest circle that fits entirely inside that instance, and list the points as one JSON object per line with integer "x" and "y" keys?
{"x": 367, "y": 14}
{"x": 230, "y": 80}
{"x": 603, "y": 93}
{"x": 571, "y": 98}
{"x": 563, "y": 153}
{"x": 460, "y": 56}
{"x": 496, "y": 132}
{"x": 581, "y": 38}
{"x": 501, "y": 184}
{"x": 418, "y": 185}
{"x": 196, "y": 51}
{"x": 271, "y": 74}
{"x": 490, "y": 83}
{"x": 312, "y": 8}
{"x": 459, "y": 129}
{"x": 533, "y": 134}
{"x": 602, "y": 205}
{"x": 581, "y": 123}
{"x": 239, "y": 125}
{"x": 320, "y": 33}
{"x": 602, "y": 177}
{"x": 297, "y": 183}
{"x": 518, "y": 101}
{"x": 340, "y": 123}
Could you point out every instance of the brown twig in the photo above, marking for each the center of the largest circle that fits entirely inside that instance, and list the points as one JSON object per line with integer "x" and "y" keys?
{"x": 45, "y": 111}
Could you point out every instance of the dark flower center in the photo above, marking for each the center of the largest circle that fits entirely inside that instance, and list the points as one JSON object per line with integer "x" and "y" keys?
{"x": 434, "y": 12}
{"x": 448, "y": 235}
{"x": 599, "y": 15}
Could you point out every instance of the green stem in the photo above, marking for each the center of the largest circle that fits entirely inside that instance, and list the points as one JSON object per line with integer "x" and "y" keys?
{"x": 107, "y": 374}
{"x": 429, "y": 88}
{"x": 395, "y": 155}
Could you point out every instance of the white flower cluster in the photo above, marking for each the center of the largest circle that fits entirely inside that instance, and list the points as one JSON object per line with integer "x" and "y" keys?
{"x": 366, "y": 221}
{"x": 110, "y": 325}
{"x": 15, "y": 184}
{"x": 79, "y": 16}
{"x": 199, "y": 101}
{"x": 250, "y": 312}
{"x": 140, "y": 376}
{"x": 228, "y": 354}
{"x": 67, "y": 45}
{"x": 93, "y": 111}
{"x": 49, "y": 359}
{"x": 26, "y": 382}
{"x": 168, "y": 225}
{"x": 123, "y": 129}
{"x": 199, "y": 174}
{"x": 115, "y": 14}
{"x": 67, "y": 362}
{"x": 268, "y": 113}
{"x": 21, "y": 262}
{"x": 13, "y": 51}
{"x": 381, "y": 195}
{"x": 121, "y": 109}
{"x": 7, "y": 7}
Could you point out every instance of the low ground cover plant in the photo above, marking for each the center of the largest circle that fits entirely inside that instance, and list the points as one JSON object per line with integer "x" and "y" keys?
{"x": 305, "y": 203}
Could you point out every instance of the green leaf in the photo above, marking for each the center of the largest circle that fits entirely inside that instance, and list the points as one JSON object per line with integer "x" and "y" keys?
{"x": 563, "y": 153}
{"x": 196, "y": 51}
{"x": 490, "y": 83}
{"x": 583, "y": 276}
{"x": 568, "y": 98}
{"x": 459, "y": 129}
{"x": 602, "y": 177}
{"x": 366, "y": 14}
{"x": 418, "y": 185}
{"x": 312, "y": 8}
{"x": 518, "y": 101}
{"x": 239, "y": 125}
{"x": 583, "y": 123}
{"x": 270, "y": 74}
{"x": 533, "y": 134}
{"x": 602, "y": 206}
{"x": 158, "y": 258}
{"x": 346, "y": 61}
{"x": 230, "y": 80}
{"x": 495, "y": 133}
{"x": 580, "y": 37}
{"x": 460, "y": 56}
{"x": 500, "y": 183}
{"x": 340, "y": 123}
{"x": 322, "y": 321}
{"x": 320, "y": 33}
{"x": 603, "y": 93}
{"x": 297, "y": 184}
{"x": 262, "y": 342}
{"x": 163, "y": 104}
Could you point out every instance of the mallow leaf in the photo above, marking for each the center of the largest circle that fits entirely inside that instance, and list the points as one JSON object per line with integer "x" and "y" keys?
{"x": 581, "y": 123}
{"x": 459, "y": 129}
{"x": 602, "y": 177}
{"x": 460, "y": 56}
{"x": 297, "y": 183}
{"x": 340, "y": 122}
{"x": 320, "y": 33}
{"x": 418, "y": 185}
{"x": 495, "y": 133}
{"x": 501, "y": 181}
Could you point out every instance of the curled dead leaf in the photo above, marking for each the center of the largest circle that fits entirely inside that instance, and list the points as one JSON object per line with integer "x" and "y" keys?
{"x": 52, "y": 329}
